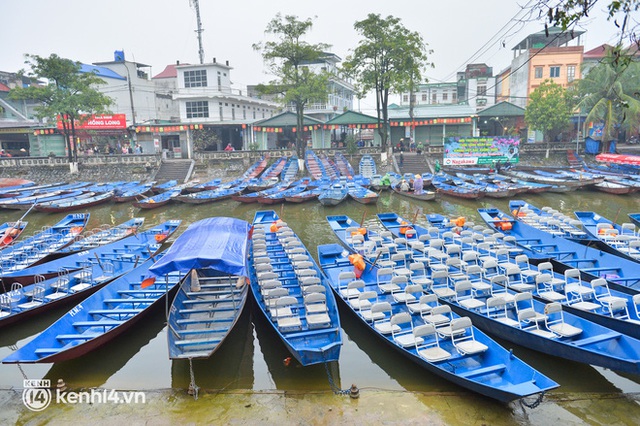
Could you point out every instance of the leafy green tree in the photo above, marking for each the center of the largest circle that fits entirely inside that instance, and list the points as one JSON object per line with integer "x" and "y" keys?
{"x": 288, "y": 59}
{"x": 569, "y": 13}
{"x": 548, "y": 110}
{"x": 388, "y": 59}
{"x": 68, "y": 94}
{"x": 609, "y": 93}
{"x": 203, "y": 139}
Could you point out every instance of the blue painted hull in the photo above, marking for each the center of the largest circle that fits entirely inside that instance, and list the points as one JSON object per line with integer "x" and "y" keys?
{"x": 621, "y": 274}
{"x": 496, "y": 373}
{"x": 309, "y": 345}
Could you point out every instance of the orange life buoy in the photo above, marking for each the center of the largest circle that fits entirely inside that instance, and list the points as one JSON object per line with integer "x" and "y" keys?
{"x": 460, "y": 221}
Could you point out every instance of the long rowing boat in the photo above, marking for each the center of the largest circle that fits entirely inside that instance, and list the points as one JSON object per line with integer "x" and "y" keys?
{"x": 456, "y": 351}
{"x": 292, "y": 292}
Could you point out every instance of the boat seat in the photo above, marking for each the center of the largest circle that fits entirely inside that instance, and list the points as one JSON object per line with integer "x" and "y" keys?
{"x": 555, "y": 321}
{"x": 285, "y": 313}
{"x": 463, "y": 337}
{"x": 429, "y": 348}
{"x": 382, "y": 324}
{"x": 402, "y": 330}
{"x": 198, "y": 342}
{"x": 497, "y": 310}
{"x": 438, "y": 315}
{"x": 85, "y": 336}
{"x": 464, "y": 295}
{"x": 102, "y": 323}
{"x": 365, "y": 308}
{"x": 37, "y": 299}
{"x": 424, "y": 304}
{"x": 529, "y": 321}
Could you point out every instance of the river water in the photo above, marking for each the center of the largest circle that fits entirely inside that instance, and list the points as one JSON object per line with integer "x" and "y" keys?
{"x": 252, "y": 358}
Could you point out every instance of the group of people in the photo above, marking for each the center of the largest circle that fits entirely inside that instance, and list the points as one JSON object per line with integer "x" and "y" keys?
{"x": 410, "y": 145}
{"x": 416, "y": 185}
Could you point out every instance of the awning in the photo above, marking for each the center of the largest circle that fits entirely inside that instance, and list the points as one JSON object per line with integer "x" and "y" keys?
{"x": 218, "y": 243}
{"x": 633, "y": 160}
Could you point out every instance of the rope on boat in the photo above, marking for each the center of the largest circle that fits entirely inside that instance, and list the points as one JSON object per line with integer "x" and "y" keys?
{"x": 354, "y": 392}
{"x": 193, "y": 388}
{"x": 534, "y": 404}
{"x": 24, "y": 375}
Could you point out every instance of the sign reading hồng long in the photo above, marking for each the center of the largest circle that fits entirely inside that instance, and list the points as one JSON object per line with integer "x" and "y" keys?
{"x": 480, "y": 150}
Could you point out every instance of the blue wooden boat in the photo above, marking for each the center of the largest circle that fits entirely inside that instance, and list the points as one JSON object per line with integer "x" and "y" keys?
{"x": 621, "y": 240}
{"x": 162, "y": 187}
{"x": 532, "y": 187}
{"x": 557, "y": 184}
{"x": 10, "y": 232}
{"x": 253, "y": 197}
{"x": 635, "y": 218}
{"x": 331, "y": 170}
{"x": 98, "y": 319}
{"x": 480, "y": 364}
{"x": 269, "y": 177}
{"x": 119, "y": 249}
{"x": 292, "y": 292}
{"x": 19, "y": 184}
{"x": 290, "y": 170}
{"x": 109, "y": 186}
{"x": 343, "y": 165}
{"x": 30, "y": 190}
{"x": 222, "y": 193}
{"x": 33, "y": 249}
{"x": 333, "y": 195}
{"x": 103, "y": 235}
{"x": 24, "y": 203}
{"x": 80, "y": 275}
{"x": 132, "y": 193}
{"x": 280, "y": 197}
{"x": 457, "y": 191}
{"x": 159, "y": 200}
{"x": 314, "y": 166}
{"x": 361, "y": 194}
{"x": 256, "y": 168}
{"x": 306, "y": 195}
{"x": 621, "y": 274}
{"x": 205, "y": 186}
{"x": 593, "y": 301}
{"x": 550, "y": 220}
{"x": 88, "y": 199}
{"x": 421, "y": 196}
{"x": 212, "y": 254}
{"x": 367, "y": 166}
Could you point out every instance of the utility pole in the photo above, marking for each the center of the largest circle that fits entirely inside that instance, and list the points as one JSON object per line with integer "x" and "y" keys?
{"x": 196, "y": 6}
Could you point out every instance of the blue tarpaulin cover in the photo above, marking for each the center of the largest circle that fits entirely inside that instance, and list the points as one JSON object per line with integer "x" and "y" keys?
{"x": 218, "y": 243}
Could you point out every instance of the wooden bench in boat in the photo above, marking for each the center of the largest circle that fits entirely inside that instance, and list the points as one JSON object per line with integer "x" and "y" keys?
{"x": 596, "y": 339}
{"x": 144, "y": 292}
{"x": 201, "y": 331}
{"x": 206, "y": 310}
{"x": 197, "y": 342}
{"x": 101, "y": 323}
{"x": 106, "y": 312}
{"x": 492, "y": 369}
{"x": 188, "y": 321}
{"x": 86, "y": 336}
{"x": 130, "y": 300}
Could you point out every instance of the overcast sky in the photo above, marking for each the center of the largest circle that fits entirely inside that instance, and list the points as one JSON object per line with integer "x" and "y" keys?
{"x": 160, "y": 32}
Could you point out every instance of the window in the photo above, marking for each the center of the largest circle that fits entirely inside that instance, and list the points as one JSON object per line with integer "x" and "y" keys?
{"x": 434, "y": 98}
{"x": 424, "y": 97}
{"x": 537, "y": 72}
{"x": 454, "y": 97}
{"x": 482, "y": 91}
{"x": 554, "y": 72}
{"x": 197, "y": 78}
{"x": 571, "y": 73}
{"x": 220, "y": 112}
{"x": 405, "y": 98}
{"x": 233, "y": 113}
{"x": 219, "y": 83}
{"x": 445, "y": 96}
{"x": 197, "y": 109}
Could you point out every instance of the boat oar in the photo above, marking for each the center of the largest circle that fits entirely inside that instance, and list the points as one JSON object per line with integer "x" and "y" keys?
{"x": 415, "y": 217}
{"x": 364, "y": 214}
{"x": 374, "y": 262}
{"x": 99, "y": 263}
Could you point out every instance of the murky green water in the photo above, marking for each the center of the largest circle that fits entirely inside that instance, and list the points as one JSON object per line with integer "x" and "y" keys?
{"x": 252, "y": 358}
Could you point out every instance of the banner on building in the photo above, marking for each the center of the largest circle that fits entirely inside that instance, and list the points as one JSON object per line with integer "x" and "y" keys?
{"x": 480, "y": 150}
{"x": 100, "y": 122}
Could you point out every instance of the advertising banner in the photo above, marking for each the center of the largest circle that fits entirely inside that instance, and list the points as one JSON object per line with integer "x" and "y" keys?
{"x": 100, "y": 122}
{"x": 480, "y": 150}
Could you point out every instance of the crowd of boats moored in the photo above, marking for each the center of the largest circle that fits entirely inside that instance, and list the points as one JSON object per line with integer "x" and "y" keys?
{"x": 435, "y": 293}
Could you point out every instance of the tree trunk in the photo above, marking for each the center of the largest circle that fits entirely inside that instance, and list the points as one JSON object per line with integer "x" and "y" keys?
{"x": 300, "y": 143}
